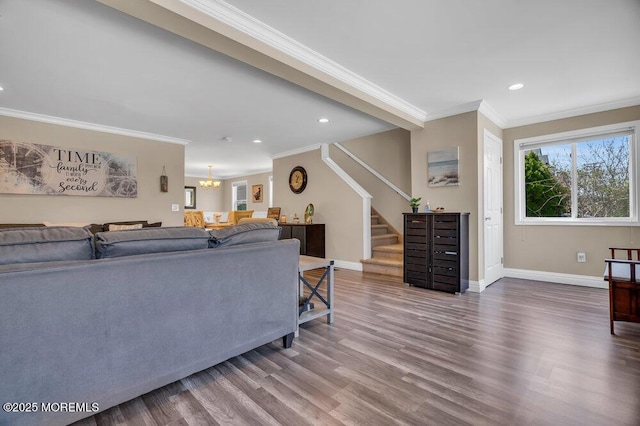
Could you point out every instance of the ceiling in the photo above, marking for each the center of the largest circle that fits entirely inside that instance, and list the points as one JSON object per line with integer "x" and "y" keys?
{"x": 82, "y": 60}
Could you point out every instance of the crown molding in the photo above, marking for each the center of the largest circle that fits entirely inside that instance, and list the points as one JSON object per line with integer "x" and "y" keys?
{"x": 234, "y": 176}
{"x": 7, "y": 112}
{"x": 479, "y": 105}
{"x": 247, "y": 174}
{"x": 623, "y": 103}
{"x": 258, "y": 30}
{"x": 296, "y": 151}
{"x": 456, "y": 110}
{"x": 492, "y": 114}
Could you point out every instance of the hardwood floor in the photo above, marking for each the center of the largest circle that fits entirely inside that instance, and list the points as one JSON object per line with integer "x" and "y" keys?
{"x": 520, "y": 353}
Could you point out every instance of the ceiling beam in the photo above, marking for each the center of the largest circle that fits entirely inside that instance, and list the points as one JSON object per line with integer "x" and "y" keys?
{"x": 235, "y": 34}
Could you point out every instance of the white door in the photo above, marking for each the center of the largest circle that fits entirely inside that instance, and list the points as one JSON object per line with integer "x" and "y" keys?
{"x": 493, "y": 242}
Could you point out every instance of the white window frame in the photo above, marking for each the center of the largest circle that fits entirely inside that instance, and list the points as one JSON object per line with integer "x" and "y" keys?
{"x": 270, "y": 191}
{"x": 520, "y": 145}
{"x": 234, "y": 194}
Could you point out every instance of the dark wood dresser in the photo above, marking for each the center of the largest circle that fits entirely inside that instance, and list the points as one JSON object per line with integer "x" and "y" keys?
{"x": 311, "y": 237}
{"x": 436, "y": 251}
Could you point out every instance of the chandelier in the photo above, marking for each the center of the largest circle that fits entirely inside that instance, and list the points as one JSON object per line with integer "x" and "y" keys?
{"x": 210, "y": 183}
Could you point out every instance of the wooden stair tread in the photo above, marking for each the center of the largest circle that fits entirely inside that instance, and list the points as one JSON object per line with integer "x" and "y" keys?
{"x": 383, "y": 236}
{"x": 392, "y": 248}
{"x": 387, "y": 254}
{"x": 385, "y": 262}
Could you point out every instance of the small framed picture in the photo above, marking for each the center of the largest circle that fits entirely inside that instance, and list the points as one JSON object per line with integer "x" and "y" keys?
{"x": 189, "y": 197}
{"x": 257, "y": 193}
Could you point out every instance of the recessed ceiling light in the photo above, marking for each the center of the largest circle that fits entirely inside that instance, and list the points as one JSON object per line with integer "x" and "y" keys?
{"x": 1, "y": 88}
{"x": 257, "y": 141}
{"x": 516, "y": 86}
{"x": 323, "y": 120}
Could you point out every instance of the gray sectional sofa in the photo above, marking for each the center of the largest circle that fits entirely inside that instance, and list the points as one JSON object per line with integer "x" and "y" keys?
{"x": 80, "y": 334}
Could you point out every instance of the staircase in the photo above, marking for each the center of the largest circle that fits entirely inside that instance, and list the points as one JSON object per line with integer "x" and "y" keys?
{"x": 386, "y": 249}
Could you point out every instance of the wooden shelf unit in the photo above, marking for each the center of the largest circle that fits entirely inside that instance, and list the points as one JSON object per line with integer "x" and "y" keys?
{"x": 436, "y": 251}
{"x": 311, "y": 236}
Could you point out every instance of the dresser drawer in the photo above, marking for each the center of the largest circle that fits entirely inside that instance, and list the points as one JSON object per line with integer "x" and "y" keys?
{"x": 447, "y": 255}
{"x": 442, "y": 286}
{"x": 417, "y": 267}
{"x": 418, "y": 280}
{"x": 416, "y": 232}
{"x": 447, "y": 249}
{"x": 445, "y": 224}
{"x": 445, "y": 271}
{"x": 415, "y": 256}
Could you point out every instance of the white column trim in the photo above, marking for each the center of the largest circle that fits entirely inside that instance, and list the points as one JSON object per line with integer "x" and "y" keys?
{"x": 344, "y": 264}
{"x": 477, "y": 286}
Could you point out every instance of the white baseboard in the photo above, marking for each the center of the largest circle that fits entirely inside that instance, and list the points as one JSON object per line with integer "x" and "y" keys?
{"x": 556, "y": 277}
{"x": 354, "y": 266}
{"x": 477, "y": 286}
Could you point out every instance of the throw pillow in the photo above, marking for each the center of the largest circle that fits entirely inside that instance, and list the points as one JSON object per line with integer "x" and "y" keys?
{"x": 105, "y": 226}
{"x": 114, "y": 227}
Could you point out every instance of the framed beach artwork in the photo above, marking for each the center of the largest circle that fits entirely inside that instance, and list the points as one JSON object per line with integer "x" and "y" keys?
{"x": 442, "y": 167}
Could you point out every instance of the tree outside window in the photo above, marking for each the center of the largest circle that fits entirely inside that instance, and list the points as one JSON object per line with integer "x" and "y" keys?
{"x": 580, "y": 179}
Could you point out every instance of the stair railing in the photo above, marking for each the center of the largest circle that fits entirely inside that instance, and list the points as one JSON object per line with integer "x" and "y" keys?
{"x": 373, "y": 171}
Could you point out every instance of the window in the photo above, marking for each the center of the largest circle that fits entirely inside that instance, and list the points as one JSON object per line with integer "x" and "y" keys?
{"x": 581, "y": 177}
{"x": 239, "y": 195}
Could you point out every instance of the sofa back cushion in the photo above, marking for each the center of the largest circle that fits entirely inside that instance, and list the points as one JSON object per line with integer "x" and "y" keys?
{"x": 45, "y": 244}
{"x": 244, "y": 234}
{"x": 150, "y": 240}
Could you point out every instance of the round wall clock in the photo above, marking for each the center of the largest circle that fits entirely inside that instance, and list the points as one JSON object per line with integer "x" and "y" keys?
{"x": 298, "y": 179}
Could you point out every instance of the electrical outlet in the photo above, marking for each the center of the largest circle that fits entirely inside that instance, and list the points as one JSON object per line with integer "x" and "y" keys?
{"x": 582, "y": 257}
{"x": 175, "y": 207}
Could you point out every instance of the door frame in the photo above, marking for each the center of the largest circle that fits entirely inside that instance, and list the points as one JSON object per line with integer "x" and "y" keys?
{"x": 490, "y": 136}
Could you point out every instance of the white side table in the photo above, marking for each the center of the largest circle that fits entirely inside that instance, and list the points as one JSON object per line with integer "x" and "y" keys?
{"x": 322, "y": 306}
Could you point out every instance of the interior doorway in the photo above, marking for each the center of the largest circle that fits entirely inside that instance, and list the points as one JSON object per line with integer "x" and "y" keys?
{"x": 493, "y": 209}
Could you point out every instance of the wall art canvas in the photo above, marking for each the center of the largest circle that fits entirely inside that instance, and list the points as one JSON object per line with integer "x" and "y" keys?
{"x": 29, "y": 168}
{"x": 443, "y": 167}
